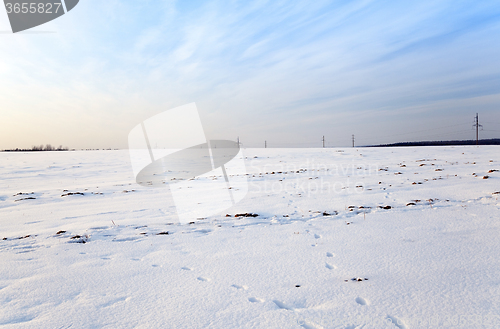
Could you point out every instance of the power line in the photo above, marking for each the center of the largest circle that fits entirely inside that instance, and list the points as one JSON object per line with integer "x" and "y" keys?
{"x": 325, "y": 144}
{"x": 299, "y": 143}
{"x": 450, "y": 133}
{"x": 446, "y": 134}
{"x": 413, "y": 132}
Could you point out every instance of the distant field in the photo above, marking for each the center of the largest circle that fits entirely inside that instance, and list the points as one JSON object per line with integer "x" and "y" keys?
{"x": 344, "y": 238}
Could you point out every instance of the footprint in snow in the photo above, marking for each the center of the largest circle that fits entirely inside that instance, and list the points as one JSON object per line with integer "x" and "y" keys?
{"x": 397, "y": 322}
{"x": 239, "y": 287}
{"x": 309, "y": 325}
{"x": 281, "y": 305}
{"x": 317, "y": 236}
{"x": 203, "y": 279}
{"x": 330, "y": 267}
{"x": 114, "y": 301}
{"x": 255, "y": 300}
{"x": 329, "y": 254}
{"x": 362, "y": 301}
{"x": 186, "y": 268}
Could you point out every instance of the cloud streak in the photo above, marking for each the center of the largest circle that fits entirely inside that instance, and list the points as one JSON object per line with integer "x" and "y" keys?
{"x": 286, "y": 72}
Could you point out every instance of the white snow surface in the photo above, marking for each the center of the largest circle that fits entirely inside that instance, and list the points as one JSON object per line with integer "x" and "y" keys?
{"x": 434, "y": 264}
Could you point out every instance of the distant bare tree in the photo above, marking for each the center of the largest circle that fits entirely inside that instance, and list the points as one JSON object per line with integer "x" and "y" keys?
{"x": 38, "y": 148}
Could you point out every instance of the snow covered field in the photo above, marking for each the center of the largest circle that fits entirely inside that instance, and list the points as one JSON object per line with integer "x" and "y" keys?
{"x": 83, "y": 246}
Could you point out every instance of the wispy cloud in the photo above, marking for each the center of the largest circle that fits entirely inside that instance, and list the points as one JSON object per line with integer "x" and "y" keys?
{"x": 280, "y": 70}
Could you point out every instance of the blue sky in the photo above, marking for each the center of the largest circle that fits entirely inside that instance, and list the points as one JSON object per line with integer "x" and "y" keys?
{"x": 287, "y": 72}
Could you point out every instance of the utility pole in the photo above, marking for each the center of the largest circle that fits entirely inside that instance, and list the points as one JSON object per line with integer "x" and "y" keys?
{"x": 323, "y": 141}
{"x": 265, "y": 144}
{"x": 352, "y": 140}
{"x": 477, "y": 125}
{"x": 238, "y": 141}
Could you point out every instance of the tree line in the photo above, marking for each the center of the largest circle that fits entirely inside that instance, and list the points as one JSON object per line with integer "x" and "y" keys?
{"x": 39, "y": 148}
{"x": 493, "y": 141}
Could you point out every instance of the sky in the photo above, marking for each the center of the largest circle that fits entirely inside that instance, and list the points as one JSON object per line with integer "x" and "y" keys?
{"x": 285, "y": 72}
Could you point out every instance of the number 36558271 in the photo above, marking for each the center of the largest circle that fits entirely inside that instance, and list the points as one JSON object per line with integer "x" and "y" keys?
{"x": 33, "y": 7}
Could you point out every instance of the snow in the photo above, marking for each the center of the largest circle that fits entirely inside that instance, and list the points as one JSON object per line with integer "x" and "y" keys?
{"x": 321, "y": 224}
